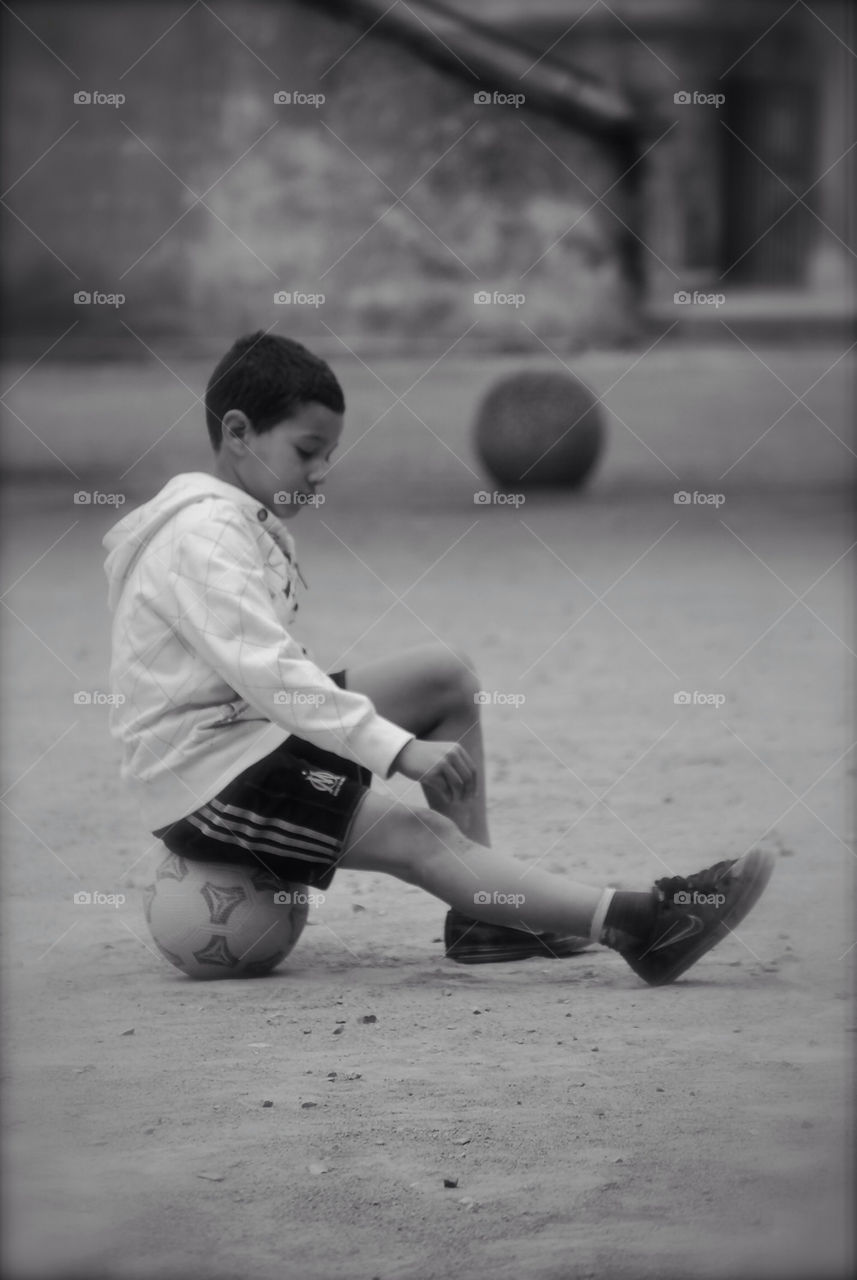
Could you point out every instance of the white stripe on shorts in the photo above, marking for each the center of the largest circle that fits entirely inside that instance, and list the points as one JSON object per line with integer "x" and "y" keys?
{"x": 262, "y": 832}
{"x": 261, "y": 821}
{"x": 228, "y": 836}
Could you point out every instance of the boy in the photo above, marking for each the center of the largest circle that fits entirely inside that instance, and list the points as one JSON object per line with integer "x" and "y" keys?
{"x": 242, "y": 750}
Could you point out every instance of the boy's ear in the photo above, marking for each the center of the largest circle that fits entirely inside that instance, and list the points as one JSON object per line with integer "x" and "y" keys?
{"x": 236, "y": 428}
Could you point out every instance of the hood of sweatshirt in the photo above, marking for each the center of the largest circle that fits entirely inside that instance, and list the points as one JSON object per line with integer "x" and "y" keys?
{"x": 130, "y": 536}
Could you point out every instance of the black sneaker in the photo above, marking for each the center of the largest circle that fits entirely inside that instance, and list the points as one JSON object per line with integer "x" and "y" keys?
{"x": 694, "y": 913}
{"x": 469, "y": 941}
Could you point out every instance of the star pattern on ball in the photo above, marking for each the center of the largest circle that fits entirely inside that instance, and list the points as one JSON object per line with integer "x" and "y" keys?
{"x": 222, "y": 900}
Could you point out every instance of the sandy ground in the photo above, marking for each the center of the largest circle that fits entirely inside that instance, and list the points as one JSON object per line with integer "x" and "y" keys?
{"x": 595, "y": 1127}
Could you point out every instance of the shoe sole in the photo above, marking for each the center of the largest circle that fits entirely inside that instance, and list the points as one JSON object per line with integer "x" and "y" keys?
{"x": 500, "y": 955}
{"x": 758, "y": 868}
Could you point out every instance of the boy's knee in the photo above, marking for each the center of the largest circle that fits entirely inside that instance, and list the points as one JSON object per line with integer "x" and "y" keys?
{"x": 428, "y": 836}
{"x": 457, "y": 674}
{"x": 432, "y": 836}
{"x": 401, "y": 841}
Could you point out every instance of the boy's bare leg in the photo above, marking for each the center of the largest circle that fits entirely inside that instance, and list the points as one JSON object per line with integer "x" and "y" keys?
{"x": 430, "y": 691}
{"x": 426, "y": 848}
{"x": 660, "y": 934}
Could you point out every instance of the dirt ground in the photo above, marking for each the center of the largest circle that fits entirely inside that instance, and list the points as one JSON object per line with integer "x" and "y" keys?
{"x": 594, "y": 1127}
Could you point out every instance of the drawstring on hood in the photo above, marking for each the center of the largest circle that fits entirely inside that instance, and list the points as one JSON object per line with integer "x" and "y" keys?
{"x": 128, "y": 539}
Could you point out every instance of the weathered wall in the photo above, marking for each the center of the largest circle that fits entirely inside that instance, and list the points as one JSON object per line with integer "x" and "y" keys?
{"x": 300, "y": 198}
{"x": 111, "y": 207}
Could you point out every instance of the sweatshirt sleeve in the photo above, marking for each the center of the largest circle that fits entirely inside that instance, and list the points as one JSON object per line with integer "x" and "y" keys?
{"x": 224, "y": 613}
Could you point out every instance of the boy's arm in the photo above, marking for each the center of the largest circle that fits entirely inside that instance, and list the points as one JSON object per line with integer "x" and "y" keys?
{"x": 225, "y": 614}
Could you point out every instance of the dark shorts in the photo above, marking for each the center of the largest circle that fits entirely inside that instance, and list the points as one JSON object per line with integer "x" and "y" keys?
{"x": 290, "y": 812}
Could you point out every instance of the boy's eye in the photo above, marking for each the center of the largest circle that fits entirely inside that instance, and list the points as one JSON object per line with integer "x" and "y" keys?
{"x": 310, "y": 453}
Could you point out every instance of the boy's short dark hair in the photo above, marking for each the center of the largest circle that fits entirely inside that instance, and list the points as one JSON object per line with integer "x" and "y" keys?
{"x": 268, "y": 378}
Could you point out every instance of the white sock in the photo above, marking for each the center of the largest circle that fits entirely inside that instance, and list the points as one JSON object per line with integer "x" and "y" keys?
{"x": 597, "y": 926}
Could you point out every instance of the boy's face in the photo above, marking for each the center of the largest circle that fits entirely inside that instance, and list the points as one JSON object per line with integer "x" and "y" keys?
{"x": 285, "y": 467}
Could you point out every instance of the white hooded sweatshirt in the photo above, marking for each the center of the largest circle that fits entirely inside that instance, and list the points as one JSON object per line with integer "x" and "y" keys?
{"x": 206, "y": 676}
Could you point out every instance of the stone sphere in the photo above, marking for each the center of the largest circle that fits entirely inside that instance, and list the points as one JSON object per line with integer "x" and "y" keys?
{"x": 538, "y": 429}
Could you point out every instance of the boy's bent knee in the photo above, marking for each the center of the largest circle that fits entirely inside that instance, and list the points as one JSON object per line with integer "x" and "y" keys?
{"x": 392, "y": 837}
{"x": 459, "y": 678}
{"x": 433, "y": 837}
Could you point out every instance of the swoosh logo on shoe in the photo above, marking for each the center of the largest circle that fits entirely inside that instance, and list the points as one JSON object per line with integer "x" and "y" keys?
{"x": 690, "y": 926}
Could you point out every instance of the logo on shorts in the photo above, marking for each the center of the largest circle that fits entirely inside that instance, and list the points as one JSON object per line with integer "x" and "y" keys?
{"x": 322, "y": 780}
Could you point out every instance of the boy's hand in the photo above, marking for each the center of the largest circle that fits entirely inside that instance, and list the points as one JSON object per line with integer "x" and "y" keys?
{"x": 442, "y": 767}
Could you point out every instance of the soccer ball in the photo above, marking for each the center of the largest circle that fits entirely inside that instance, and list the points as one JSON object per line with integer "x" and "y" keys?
{"x": 220, "y": 920}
